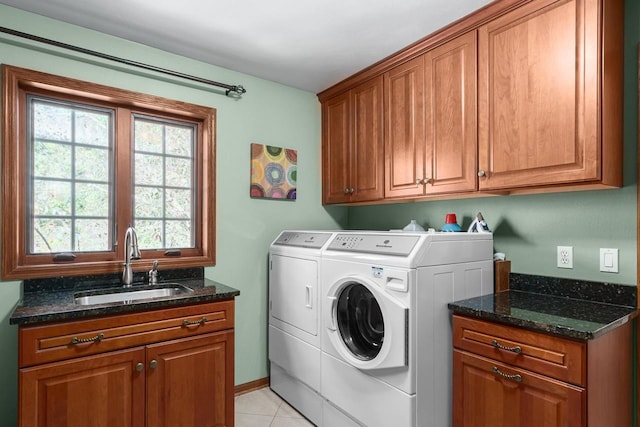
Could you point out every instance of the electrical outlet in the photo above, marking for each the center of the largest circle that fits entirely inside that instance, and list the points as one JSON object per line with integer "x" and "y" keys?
{"x": 565, "y": 256}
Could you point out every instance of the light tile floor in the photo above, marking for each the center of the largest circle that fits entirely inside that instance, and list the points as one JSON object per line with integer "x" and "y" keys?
{"x": 264, "y": 408}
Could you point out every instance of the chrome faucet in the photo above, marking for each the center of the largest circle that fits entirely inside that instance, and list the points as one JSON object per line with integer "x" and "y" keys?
{"x": 153, "y": 274}
{"x": 131, "y": 252}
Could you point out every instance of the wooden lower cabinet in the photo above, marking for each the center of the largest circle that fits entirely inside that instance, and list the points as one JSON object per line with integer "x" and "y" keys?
{"x": 185, "y": 381}
{"x": 189, "y": 381}
{"x": 505, "y": 376}
{"x": 95, "y": 391}
{"x": 515, "y": 398}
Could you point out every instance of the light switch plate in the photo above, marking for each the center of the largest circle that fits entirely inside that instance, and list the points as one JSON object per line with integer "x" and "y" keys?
{"x": 609, "y": 260}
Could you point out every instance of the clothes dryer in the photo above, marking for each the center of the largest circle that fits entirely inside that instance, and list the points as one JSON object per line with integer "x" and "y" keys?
{"x": 294, "y": 319}
{"x": 386, "y": 340}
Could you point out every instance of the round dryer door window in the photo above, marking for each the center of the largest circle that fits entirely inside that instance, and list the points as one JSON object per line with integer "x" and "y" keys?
{"x": 360, "y": 321}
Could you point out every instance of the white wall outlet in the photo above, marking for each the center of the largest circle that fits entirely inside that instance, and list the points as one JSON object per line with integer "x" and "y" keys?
{"x": 565, "y": 256}
{"x": 609, "y": 260}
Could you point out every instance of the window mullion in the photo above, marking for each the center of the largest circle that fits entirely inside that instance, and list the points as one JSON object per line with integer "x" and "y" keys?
{"x": 73, "y": 183}
{"x": 123, "y": 176}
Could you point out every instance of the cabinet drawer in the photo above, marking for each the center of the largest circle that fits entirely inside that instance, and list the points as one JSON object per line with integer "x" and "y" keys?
{"x": 64, "y": 340}
{"x": 552, "y": 356}
{"x": 495, "y": 394}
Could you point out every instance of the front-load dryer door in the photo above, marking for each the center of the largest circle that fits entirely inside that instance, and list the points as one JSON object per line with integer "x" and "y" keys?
{"x": 293, "y": 287}
{"x": 367, "y": 326}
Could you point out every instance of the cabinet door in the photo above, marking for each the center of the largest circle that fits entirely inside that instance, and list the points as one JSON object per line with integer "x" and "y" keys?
{"x": 404, "y": 114}
{"x": 367, "y": 150}
{"x": 336, "y": 152}
{"x": 487, "y": 393}
{"x": 451, "y": 116}
{"x": 538, "y": 97}
{"x": 190, "y": 382}
{"x": 103, "y": 390}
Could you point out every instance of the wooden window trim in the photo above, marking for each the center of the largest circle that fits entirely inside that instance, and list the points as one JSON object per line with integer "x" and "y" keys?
{"x": 16, "y": 264}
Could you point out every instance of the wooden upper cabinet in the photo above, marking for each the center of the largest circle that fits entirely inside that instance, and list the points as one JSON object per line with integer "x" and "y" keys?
{"x": 540, "y": 115}
{"x": 336, "y": 149}
{"x": 521, "y": 96}
{"x": 451, "y": 124}
{"x": 353, "y": 146}
{"x": 404, "y": 132}
{"x": 367, "y": 151}
{"x": 430, "y": 122}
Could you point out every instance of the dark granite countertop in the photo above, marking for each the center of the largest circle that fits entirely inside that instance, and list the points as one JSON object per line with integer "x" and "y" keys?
{"x": 559, "y": 313}
{"x": 47, "y": 300}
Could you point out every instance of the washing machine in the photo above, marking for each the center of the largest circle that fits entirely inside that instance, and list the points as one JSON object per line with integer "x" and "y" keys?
{"x": 294, "y": 319}
{"x": 386, "y": 329}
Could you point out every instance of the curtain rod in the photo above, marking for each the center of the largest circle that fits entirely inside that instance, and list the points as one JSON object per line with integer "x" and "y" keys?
{"x": 234, "y": 91}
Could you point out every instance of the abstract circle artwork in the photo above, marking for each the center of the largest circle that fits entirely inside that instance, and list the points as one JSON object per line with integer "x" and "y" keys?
{"x": 274, "y": 172}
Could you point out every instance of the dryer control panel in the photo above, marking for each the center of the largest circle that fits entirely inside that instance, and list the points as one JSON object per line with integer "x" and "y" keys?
{"x": 302, "y": 239}
{"x": 387, "y": 244}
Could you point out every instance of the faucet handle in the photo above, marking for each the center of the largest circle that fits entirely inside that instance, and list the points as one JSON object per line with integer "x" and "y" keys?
{"x": 153, "y": 273}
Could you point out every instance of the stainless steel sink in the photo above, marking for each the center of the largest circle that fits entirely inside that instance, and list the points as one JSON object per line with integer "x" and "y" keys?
{"x": 127, "y": 295}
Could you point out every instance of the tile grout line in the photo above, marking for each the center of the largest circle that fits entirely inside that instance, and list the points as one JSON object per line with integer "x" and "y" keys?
{"x": 274, "y": 415}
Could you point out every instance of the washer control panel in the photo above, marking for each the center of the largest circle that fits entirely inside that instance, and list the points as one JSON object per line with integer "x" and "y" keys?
{"x": 387, "y": 244}
{"x": 302, "y": 239}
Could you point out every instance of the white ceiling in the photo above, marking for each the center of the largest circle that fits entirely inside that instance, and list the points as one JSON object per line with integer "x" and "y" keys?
{"x": 308, "y": 44}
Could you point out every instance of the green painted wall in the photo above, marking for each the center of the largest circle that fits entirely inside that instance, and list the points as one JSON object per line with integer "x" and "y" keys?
{"x": 528, "y": 228}
{"x": 269, "y": 113}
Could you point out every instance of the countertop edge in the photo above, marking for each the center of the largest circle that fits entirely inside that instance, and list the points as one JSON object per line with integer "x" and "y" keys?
{"x": 543, "y": 327}
{"x": 68, "y": 311}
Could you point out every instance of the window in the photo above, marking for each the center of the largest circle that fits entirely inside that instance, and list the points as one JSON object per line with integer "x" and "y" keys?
{"x": 81, "y": 162}
{"x": 70, "y": 177}
{"x": 163, "y": 189}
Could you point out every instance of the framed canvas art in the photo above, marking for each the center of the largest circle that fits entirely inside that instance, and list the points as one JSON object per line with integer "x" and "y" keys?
{"x": 274, "y": 172}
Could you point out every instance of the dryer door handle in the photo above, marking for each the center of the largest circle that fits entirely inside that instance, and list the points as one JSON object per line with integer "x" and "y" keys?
{"x": 309, "y": 300}
{"x": 333, "y": 301}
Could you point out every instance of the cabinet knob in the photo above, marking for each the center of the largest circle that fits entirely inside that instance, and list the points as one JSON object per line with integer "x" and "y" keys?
{"x": 426, "y": 181}
{"x": 346, "y": 190}
{"x": 153, "y": 364}
{"x": 351, "y": 190}
{"x": 418, "y": 181}
{"x": 139, "y": 367}
{"x": 481, "y": 173}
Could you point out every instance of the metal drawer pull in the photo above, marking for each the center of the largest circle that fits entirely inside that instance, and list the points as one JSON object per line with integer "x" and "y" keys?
{"x": 516, "y": 377}
{"x": 97, "y": 338}
{"x": 202, "y": 321}
{"x": 139, "y": 367}
{"x": 517, "y": 349}
{"x": 153, "y": 364}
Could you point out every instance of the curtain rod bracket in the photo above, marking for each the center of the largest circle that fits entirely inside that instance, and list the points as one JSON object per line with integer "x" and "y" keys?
{"x": 233, "y": 91}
